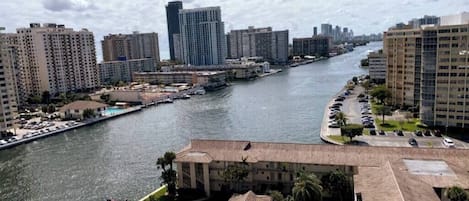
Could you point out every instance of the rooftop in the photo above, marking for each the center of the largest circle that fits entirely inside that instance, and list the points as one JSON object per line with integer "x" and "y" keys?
{"x": 384, "y": 173}
{"x": 81, "y": 105}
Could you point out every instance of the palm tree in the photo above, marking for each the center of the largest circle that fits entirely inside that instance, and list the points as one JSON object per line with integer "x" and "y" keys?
{"x": 338, "y": 185}
{"x": 341, "y": 119}
{"x": 456, "y": 193}
{"x": 168, "y": 175}
{"x": 307, "y": 188}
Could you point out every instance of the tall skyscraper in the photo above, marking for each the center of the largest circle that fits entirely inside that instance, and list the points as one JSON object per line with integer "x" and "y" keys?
{"x": 172, "y": 19}
{"x": 315, "y": 31}
{"x": 8, "y": 100}
{"x": 202, "y": 36}
{"x": 131, "y": 46}
{"x": 56, "y": 59}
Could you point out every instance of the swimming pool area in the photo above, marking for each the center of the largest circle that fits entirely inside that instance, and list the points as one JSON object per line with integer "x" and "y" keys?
{"x": 113, "y": 111}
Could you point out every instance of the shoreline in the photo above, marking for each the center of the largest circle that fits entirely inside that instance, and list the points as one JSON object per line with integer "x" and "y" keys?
{"x": 324, "y": 129}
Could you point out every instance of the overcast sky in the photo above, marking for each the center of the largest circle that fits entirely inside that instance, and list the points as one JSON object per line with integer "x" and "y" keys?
{"x": 298, "y": 16}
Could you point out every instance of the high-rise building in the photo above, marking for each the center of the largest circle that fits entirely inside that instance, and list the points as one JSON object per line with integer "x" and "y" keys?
{"x": 177, "y": 47}
{"x": 377, "y": 66}
{"x": 131, "y": 46}
{"x": 56, "y": 59}
{"x": 315, "y": 31}
{"x": 326, "y": 29}
{"x": 236, "y": 41}
{"x": 312, "y": 46}
{"x": 202, "y": 36}
{"x": 425, "y": 20}
{"x": 403, "y": 59}
{"x": 115, "y": 71}
{"x": 172, "y": 19}
{"x": 431, "y": 61}
{"x": 8, "y": 92}
{"x": 272, "y": 46}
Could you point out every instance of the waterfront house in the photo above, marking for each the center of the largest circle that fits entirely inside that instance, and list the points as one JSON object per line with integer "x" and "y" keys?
{"x": 75, "y": 109}
{"x": 379, "y": 173}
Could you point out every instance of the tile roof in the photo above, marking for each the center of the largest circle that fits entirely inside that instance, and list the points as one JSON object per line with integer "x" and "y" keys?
{"x": 250, "y": 196}
{"x": 81, "y": 105}
{"x": 382, "y": 173}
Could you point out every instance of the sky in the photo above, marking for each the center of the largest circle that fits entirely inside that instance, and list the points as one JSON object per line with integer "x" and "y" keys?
{"x": 103, "y": 17}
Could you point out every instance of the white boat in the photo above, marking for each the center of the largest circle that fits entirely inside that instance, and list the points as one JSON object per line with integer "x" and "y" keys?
{"x": 185, "y": 96}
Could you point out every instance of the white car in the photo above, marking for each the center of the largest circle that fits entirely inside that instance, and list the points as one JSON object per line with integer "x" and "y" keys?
{"x": 2, "y": 142}
{"x": 448, "y": 143}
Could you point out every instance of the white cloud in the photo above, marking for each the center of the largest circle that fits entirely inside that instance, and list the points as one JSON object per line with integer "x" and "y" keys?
{"x": 299, "y": 16}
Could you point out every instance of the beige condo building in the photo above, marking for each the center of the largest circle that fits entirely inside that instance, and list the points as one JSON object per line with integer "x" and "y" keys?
{"x": 427, "y": 67}
{"x": 379, "y": 173}
{"x": 54, "y": 58}
{"x": 8, "y": 96}
{"x": 119, "y": 47}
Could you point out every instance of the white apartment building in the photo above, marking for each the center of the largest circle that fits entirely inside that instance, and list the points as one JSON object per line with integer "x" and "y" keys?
{"x": 377, "y": 66}
{"x": 55, "y": 59}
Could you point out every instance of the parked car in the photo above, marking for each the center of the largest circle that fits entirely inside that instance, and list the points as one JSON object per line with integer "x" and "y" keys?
{"x": 338, "y": 104}
{"x": 372, "y": 132}
{"x": 381, "y": 132}
{"x": 362, "y": 100}
{"x": 427, "y": 133}
{"x": 333, "y": 125}
{"x": 400, "y": 133}
{"x": 413, "y": 142}
{"x": 339, "y": 99}
{"x": 448, "y": 143}
{"x": 2, "y": 142}
{"x": 418, "y": 133}
{"x": 437, "y": 133}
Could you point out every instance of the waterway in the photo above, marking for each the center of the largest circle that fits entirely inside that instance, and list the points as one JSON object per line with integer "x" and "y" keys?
{"x": 117, "y": 158}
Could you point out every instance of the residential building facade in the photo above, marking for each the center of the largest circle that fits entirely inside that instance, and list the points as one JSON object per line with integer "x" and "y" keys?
{"x": 377, "y": 66}
{"x": 427, "y": 68}
{"x": 172, "y": 20}
{"x": 313, "y": 46}
{"x": 190, "y": 77}
{"x": 8, "y": 90}
{"x": 403, "y": 58}
{"x": 237, "y": 42}
{"x": 55, "y": 59}
{"x": 119, "y": 47}
{"x": 404, "y": 173}
{"x": 115, "y": 71}
{"x": 272, "y": 46}
{"x": 202, "y": 36}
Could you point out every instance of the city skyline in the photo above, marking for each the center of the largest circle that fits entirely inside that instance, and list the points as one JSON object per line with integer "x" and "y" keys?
{"x": 149, "y": 16}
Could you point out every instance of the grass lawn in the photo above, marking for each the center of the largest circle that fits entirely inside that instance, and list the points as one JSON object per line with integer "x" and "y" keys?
{"x": 339, "y": 138}
{"x": 391, "y": 125}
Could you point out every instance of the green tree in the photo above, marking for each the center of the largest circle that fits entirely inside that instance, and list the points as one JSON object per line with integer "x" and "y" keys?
{"x": 366, "y": 85}
{"x": 351, "y": 130}
{"x": 34, "y": 99}
{"x": 355, "y": 80}
{"x": 105, "y": 97}
{"x": 44, "y": 108}
{"x": 383, "y": 110}
{"x": 235, "y": 174}
{"x": 51, "y": 109}
{"x": 87, "y": 113}
{"x": 46, "y": 97}
{"x": 307, "y": 187}
{"x": 381, "y": 93}
{"x": 168, "y": 175}
{"x": 341, "y": 119}
{"x": 276, "y": 195}
{"x": 338, "y": 185}
{"x": 456, "y": 193}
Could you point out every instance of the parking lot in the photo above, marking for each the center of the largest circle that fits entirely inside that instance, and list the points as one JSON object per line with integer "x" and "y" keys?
{"x": 359, "y": 112}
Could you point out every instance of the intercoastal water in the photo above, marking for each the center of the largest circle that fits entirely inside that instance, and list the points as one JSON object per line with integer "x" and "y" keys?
{"x": 117, "y": 158}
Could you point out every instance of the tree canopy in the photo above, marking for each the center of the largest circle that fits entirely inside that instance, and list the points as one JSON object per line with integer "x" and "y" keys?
{"x": 351, "y": 130}
{"x": 456, "y": 193}
{"x": 307, "y": 187}
{"x": 381, "y": 93}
